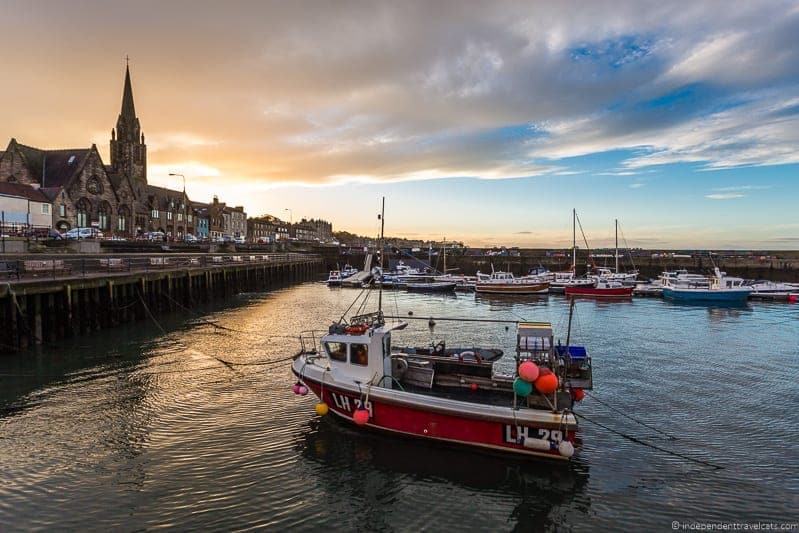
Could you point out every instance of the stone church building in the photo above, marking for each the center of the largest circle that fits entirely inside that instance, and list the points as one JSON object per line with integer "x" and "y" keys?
{"x": 85, "y": 192}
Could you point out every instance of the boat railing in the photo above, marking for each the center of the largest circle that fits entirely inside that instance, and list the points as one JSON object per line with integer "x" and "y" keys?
{"x": 309, "y": 341}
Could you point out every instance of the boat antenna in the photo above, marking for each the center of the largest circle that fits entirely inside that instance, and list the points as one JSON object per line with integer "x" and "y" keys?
{"x": 382, "y": 218}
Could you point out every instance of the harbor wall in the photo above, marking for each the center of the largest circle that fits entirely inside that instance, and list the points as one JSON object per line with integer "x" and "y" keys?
{"x": 43, "y": 301}
{"x": 776, "y": 269}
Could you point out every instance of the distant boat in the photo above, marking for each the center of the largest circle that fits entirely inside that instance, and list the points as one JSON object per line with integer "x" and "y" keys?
{"x": 505, "y": 283}
{"x": 431, "y": 286}
{"x": 602, "y": 289}
{"x": 720, "y": 288}
{"x": 560, "y": 281}
{"x": 771, "y": 289}
{"x": 337, "y": 276}
{"x": 625, "y": 278}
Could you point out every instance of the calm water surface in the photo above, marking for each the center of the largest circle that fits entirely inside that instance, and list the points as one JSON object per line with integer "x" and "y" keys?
{"x": 132, "y": 429}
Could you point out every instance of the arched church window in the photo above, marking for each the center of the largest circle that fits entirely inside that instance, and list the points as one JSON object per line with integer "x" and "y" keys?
{"x": 93, "y": 186}
{"x": 83, "y": 207}
{"x": 122, "y": 219}
{"x": 104, "y": 216}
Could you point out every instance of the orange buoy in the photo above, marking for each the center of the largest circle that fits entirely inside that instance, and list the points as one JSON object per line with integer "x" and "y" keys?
{"x": 547, "y": 383}
{"x": 578, "y": 394}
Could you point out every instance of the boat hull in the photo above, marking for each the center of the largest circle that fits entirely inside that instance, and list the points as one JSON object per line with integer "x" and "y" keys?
{"x": 701, "y": 295}
{"x": 431, "y": 287}
{"x": 593, "y": 292}
{"x": 512, "y": 288}
{"x": 476, "y": 432}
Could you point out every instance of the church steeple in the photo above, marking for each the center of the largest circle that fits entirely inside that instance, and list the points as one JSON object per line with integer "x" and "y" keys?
{"x": 128, "y": 151}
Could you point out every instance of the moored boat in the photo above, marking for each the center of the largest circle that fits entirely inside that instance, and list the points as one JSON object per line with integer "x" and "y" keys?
{"x": 431, "y": 286}
{"x": 719, "y": 288}
{"x": 505, "y": 283}
{"x": 601, "y": 289}
{"x": 336, "y": 277}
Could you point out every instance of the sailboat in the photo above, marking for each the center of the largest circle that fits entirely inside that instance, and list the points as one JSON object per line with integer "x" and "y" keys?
{"x": 625, "y": 278}
{"x": 564, "y": 280}
{"x": 451, "y": 395}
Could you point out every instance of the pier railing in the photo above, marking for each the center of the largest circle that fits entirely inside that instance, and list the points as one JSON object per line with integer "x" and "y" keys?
{"x": 32, "y": 267}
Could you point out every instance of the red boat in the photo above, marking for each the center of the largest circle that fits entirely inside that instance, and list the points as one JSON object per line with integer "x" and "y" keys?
{"x": 453, "y": 395}
{"x": 602, "y": 289}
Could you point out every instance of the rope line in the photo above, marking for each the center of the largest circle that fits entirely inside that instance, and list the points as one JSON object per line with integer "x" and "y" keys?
{"x": 622, "y": 413}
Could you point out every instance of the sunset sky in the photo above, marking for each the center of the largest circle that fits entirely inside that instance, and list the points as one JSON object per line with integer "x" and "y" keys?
{"x": 480, "y": 121}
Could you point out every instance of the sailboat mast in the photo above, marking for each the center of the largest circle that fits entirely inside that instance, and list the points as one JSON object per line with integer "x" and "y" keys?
{"x": 617, "y": 245}
{"x": 445, "y": 256}
{"x": 382, "y": 252}
{"x": 574, "y": 241}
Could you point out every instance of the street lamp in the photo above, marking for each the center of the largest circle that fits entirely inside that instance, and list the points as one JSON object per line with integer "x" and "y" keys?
{"x": 185, "y": 218}
{"x": 291, "y": 215}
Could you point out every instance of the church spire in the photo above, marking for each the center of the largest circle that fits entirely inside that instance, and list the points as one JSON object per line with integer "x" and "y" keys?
{"x": 128, "y": 109}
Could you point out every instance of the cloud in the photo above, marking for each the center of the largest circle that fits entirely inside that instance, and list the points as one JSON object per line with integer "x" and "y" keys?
{"x": 724, "y": 196}
{"x": 393, "y": 91}
{"x": 636, "y": 185}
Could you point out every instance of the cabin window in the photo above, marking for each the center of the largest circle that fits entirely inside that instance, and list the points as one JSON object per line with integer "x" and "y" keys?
{"x": 359, "y": 354}
{"x": 336, "y": 350}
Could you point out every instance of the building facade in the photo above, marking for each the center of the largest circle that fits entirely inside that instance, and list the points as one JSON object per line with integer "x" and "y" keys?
{"x": 23, "y": 207}
{"x": 84, "y": 192}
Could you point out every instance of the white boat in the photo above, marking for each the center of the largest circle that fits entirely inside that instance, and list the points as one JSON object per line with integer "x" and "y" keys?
{"x": 506, "y": 283}
{"x": 625, "y": 278}
{"x": 337, "y": 276}
{"x": 772, "y": 290}
{"x": 562, "y": 280}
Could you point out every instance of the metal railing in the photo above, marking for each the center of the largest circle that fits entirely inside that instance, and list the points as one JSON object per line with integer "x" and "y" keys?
{"x": 31, "y": 267}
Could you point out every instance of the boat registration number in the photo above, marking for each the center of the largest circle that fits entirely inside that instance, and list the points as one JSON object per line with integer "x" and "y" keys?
{"x": 517, "y": 434}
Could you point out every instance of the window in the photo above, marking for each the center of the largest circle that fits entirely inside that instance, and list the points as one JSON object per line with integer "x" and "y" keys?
{"x": 359, "y": 354}
{"x": 336, "y": 350}
{"x": 83, "y": 212}
{"x": 169, "y": 215}
{"x": 180, "y": 216}
{"x": 45, "y": 209}
{"x": 154, "y": 213}
{"x": 103, "y": 216}
{"x": 62, "y": 210}
{"x": 188, "y": 217}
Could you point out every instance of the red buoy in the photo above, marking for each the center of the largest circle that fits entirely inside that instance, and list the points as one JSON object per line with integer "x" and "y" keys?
{"x": 547, "y": 384}
{"x": 360, "y": 416}
{"x": 578, "y": 394}
{"x": 528, "y": 371}
{"x": 474, "y": 387}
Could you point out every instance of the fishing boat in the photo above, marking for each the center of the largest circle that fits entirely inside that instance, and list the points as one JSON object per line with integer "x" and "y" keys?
{"x": 457, "y": 396}
{"x": 431, "y": 286}
{"x": 505, "y": 283}
{"x": 602, "y": 288}
{"x": 336, "y": 277}
{"x": 719, "y": 288}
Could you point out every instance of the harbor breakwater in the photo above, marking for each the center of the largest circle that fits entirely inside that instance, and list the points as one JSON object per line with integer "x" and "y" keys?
{"x": 777, "y": 269}
{"x": 44, "y": 299}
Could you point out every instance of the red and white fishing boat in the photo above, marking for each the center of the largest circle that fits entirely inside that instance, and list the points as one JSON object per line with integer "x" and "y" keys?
{"x": 451, "y": 395}
{"x": 602, "y": 289}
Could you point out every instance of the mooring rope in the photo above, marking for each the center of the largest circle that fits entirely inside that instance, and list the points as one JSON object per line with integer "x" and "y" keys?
{"x": 650, "y": 445}
{"x": 622, "y": 413}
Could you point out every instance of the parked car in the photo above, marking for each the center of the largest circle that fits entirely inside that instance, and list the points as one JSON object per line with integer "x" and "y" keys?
{"x": 189, "y": 238}
{"x": 155, "y": 236}
{"x": 239, "y": 240}
{"x": 84, "y": 233}
{"x": 55, "y": 235}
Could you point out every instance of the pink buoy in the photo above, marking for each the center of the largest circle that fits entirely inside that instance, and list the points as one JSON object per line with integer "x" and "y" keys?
{"x": 528, "y": 371}
{"x": 303, "y": 390}
{"x": 360, "y": 417}
{"x": 295, "y": 388}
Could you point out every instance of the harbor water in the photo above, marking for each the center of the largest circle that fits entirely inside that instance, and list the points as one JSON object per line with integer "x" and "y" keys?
{"x": 137, "y": 428}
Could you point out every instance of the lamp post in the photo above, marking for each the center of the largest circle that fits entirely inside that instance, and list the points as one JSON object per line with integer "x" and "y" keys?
{"x": 185, "y": 219}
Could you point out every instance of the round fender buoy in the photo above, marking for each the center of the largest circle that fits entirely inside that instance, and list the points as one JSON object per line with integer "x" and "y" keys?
{"x": 360, "y": 417}
{"x": 303, "y": 390}
{"x": 578, "y": 394}
{"x": 528, "y": 371}
{"x": 547, "y": 384}
{"x": 295, "y": 388}
{"x": 566, "y": 448}
{"x": 521, "y": 387}
{"x": 321, "y": 409}
{"x": 474, "y": 387}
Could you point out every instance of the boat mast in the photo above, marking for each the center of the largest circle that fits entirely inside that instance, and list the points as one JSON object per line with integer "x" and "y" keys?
{"x": 574, "y": 241}
{"x": 445, "y": 256}
{"x": 382, "y": 252}
{"x": 617, "y": 246}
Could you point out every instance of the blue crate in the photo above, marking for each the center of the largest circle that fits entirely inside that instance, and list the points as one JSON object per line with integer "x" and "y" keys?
{"x": 575, "y": 352}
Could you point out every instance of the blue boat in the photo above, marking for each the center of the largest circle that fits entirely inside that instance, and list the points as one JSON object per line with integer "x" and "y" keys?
{"x": 721, "y": 288}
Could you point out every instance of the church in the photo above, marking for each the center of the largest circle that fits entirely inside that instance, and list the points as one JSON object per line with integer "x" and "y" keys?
{"x": 85, "y": 192}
